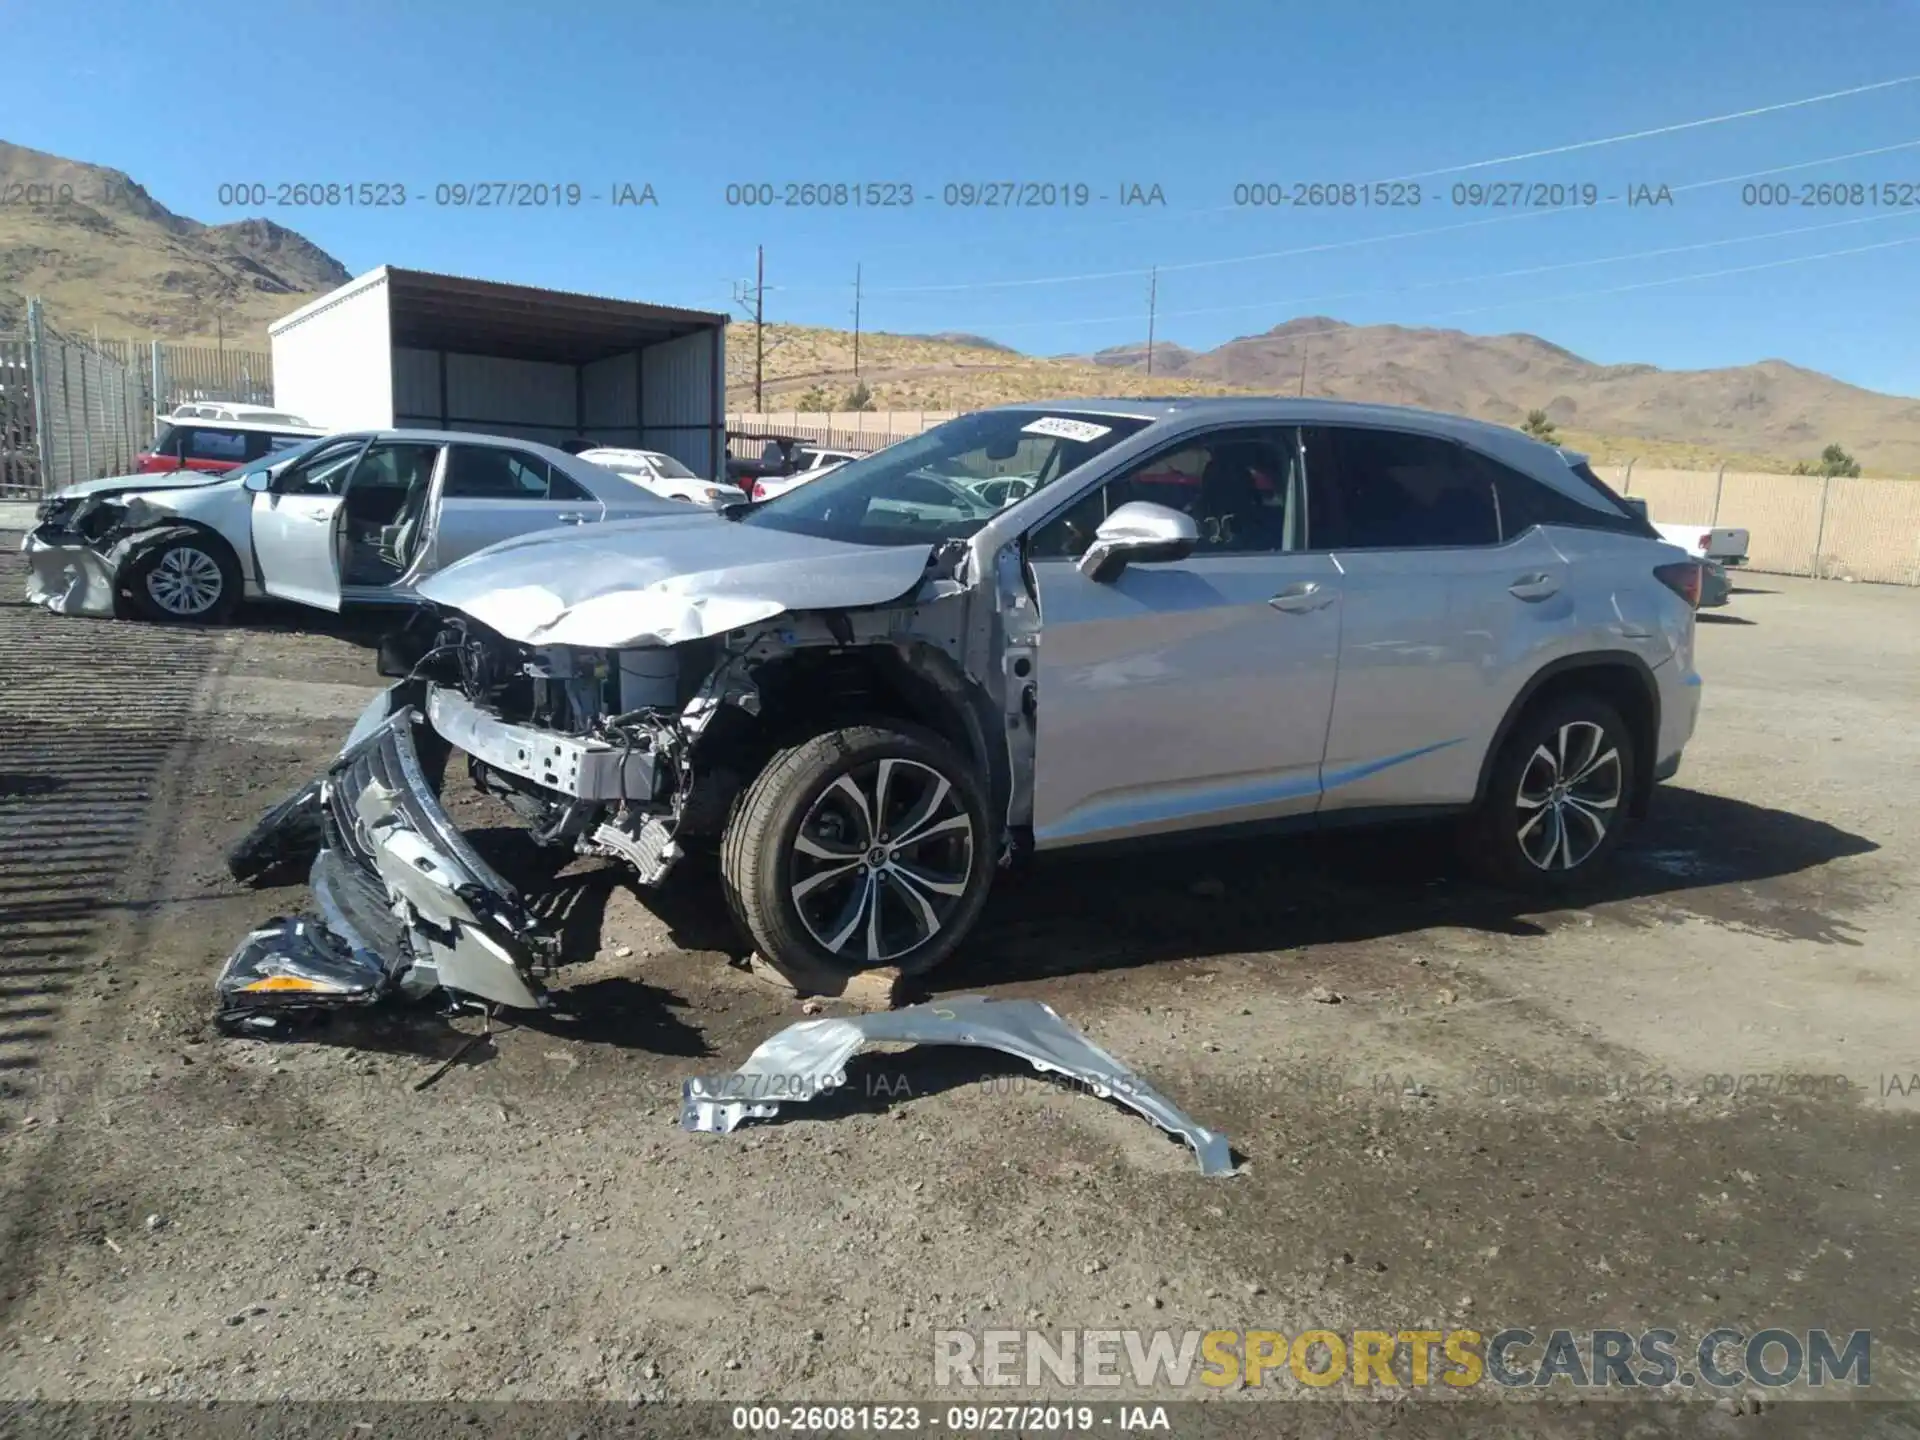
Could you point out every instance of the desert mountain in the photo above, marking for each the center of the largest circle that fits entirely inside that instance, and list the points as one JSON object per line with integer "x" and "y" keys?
{"x": 1770, "y": 407}
{"x": 102, "y": 252}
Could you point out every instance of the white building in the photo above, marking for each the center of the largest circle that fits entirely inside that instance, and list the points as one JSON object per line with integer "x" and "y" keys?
{"x": 408, "y": 348}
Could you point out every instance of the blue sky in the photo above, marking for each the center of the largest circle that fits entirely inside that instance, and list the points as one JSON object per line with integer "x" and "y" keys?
{"x": 1194, "y": 99}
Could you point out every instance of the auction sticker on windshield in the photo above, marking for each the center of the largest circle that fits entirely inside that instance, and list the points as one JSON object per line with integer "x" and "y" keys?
{"x": 1064, "y": 429}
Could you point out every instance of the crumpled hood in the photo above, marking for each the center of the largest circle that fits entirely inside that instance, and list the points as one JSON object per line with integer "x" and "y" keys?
{"x": 117, "y": 484}
{"x": 664, "y": 580}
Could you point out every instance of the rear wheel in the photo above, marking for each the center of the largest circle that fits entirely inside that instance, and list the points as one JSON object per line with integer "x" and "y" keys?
{"x": 1556, "y": 804}
{"x": 191, "y": 578}
{"x": 862, "y": 847}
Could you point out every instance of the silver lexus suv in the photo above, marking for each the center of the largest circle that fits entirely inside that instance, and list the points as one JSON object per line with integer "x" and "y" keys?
{"x": 1031, "y": 629}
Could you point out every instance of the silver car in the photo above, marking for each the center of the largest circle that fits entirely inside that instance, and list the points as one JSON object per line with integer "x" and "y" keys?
{"x": 359, "y": 517}
{"x": 871, "y": 693}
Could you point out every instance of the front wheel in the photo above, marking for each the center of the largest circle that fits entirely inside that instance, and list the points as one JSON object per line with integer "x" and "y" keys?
{"x": 192, "y": 578}
{"x": 1556, "y": 804}
{"x": 862, "y": 847}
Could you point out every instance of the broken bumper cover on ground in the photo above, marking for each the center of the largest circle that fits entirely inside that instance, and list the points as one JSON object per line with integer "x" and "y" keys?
{"x": 406, "y": 906}
{"x": 808, "y": 1059}
{"x": 68, "y": 575}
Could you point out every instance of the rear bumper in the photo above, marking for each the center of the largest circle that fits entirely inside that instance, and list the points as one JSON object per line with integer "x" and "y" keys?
{"x": 1716, "y": 587}
{"x": 406, "y": 905}
{"x": 1679, "y": 711}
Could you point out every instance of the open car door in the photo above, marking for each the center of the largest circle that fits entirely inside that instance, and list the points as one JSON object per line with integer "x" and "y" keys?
{"x": 297, "y": 522}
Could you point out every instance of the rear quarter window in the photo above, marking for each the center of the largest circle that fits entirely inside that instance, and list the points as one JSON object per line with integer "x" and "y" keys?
{"x": 1525, "y": 502}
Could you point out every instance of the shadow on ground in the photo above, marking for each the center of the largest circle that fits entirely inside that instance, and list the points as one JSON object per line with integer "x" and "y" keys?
{"x": 1707, "y": 853}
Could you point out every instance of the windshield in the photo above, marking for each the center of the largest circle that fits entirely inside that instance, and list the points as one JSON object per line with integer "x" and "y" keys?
{"x": 670, "y": 467}
{"x": 275, "y": 457}
{"x": 946, "y": 483}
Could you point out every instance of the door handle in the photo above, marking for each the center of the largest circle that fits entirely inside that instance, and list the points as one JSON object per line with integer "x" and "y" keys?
{"x": 1537, "y": 586}
{"x": 1307, "y": 595}
{"x": 573, "y": 517}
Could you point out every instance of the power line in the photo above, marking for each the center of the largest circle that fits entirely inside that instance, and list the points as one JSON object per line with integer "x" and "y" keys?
{"x": 1664, "y": 129}
{"x": 1612, "y": 289}
{"x": 1700, "y": 275}
{"x": 1391, "y": 236}
{"x": 1376, "y": 291}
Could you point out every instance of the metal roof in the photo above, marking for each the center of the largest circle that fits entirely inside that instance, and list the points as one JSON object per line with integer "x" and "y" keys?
{"x": 486, "y": 317}
{"x": 430, "y": 311}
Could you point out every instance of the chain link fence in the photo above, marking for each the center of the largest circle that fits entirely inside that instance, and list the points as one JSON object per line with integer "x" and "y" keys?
{"x": 71, "y": 410}
{"x": 76, "y": 408}
{"x": 1834, "y": 527}
{"x": 19, "y": 453}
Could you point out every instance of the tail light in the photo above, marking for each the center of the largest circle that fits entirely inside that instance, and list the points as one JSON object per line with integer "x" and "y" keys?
{"x": 1706, "y": 541}
{"x": 1684, "y": 578}
{"x": 758, "y": 492}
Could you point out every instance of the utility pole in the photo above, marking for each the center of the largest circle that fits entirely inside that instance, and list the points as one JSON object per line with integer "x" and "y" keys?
{"x": 1303, "y": 363}
{"x": 759, "y": 324}
{"x": 1153, "y": 305}
{"x": 856, "y": 320}
{"x": 220, "y": 335}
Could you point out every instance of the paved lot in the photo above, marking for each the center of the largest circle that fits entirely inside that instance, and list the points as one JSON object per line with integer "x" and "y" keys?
{"x": 1426, "y": 1152}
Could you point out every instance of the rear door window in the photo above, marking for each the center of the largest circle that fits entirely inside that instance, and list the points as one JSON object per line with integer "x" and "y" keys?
{"x": 562, "y": 486}
{"x": 1395, "y": 490}
{"x": 488, "y": 472}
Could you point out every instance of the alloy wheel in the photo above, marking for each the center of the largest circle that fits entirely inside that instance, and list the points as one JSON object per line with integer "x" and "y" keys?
{"x": 1568, "y": 797}
{"x": 186, "y": 581}
{"x": 881, "y": 860}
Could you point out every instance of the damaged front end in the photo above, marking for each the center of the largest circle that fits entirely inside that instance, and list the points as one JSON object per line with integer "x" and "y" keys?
{"x": 82, "y": 544}
{"x": 406, "y": 906}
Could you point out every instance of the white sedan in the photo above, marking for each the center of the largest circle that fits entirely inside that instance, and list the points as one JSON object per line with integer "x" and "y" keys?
{"x": 813, "y": 463}
{"x": 358, "y": 518}
{"x": 661, "y": 475}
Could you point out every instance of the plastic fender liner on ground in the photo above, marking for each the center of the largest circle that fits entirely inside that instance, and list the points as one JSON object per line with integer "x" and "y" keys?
{"x": 807, "y": 1059}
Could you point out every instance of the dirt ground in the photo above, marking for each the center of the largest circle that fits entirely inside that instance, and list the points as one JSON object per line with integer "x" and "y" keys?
{"x": 1405, "y": 1062}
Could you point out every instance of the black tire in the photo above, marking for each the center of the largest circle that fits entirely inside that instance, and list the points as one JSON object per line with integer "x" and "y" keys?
{"x": 1586, "y": 731}
{"x": 763, "y": 872}
{"x": 160, "y": 569}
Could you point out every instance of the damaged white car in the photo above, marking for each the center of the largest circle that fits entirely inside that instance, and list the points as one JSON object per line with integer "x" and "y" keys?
{"x": 354, "y": 517}
{"x": 868, "y": 694}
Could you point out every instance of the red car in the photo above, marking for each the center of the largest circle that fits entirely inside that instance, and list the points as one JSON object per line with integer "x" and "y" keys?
{"x": 216, "y": 446}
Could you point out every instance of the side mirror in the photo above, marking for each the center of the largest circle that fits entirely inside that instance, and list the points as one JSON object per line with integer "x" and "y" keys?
{"x": 258, "y": 481}
{"x": 1138, "y": 533}
{"x": 1637, "y": 505}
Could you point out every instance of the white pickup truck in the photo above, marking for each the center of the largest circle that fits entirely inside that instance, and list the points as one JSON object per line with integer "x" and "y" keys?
{"x": 1721, "y": 544}
{"x": 1718, "y": 547}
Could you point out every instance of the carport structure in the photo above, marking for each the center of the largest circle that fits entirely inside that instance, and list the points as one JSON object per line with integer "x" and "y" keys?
{"x": 412, "y": 348}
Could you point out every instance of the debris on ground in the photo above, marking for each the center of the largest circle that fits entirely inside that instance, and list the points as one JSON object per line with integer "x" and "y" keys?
{"x": 874, "y": 989}
{"x": 1321, "y": 995}
{"x": 809, "y": 1057}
